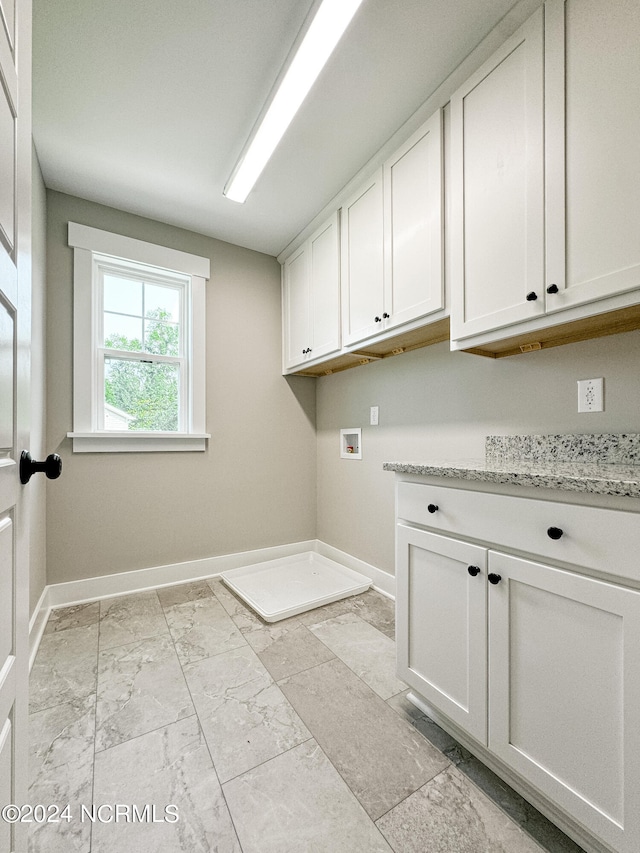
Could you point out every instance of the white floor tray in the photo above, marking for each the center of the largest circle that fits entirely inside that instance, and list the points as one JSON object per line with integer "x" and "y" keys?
{"x": 281, "y": 588}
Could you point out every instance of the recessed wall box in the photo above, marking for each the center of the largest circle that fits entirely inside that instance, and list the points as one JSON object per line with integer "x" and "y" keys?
{"x": 351, "y": 443}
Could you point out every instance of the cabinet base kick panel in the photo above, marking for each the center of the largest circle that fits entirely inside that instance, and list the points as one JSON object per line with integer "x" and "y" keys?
{"x": 278, "y": 589}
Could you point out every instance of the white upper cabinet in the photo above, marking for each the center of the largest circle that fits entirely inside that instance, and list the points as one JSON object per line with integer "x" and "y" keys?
{"x": 592, "y": 88}
{"x": 362, "y": 262}
{"x": 324, "y": 284}
{"x": 498, "y": 188}
{"x": 296, "y": 307}
{"x": 413, "y": 232}
{"x": 311, "y": 297}
{"x": 546, "y": 182}
{"x": 392, "y": 236}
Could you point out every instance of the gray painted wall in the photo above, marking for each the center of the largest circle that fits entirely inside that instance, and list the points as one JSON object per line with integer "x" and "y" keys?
{"x": 435, "y": 404}
{"x": 269, "y": 476}
{"x": 254, "y": 487}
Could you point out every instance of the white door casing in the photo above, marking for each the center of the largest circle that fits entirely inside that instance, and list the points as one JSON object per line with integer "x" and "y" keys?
{"x": 15, "y": 333}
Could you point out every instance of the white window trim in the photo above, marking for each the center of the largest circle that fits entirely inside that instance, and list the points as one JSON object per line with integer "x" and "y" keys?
{"x": 88, "y": 243}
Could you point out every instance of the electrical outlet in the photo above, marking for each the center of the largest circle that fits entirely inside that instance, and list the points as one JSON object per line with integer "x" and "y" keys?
{"x": 590, "y": 395}
{"x": 373, "y": 416}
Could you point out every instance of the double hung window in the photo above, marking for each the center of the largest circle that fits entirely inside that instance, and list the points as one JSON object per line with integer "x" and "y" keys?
{"x": 138, "y": 344}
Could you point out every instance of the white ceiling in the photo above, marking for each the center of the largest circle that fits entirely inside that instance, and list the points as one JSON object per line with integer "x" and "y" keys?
{"x": 145, "y": 105}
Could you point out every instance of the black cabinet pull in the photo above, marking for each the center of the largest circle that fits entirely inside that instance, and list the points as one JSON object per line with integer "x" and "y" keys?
{"x": 531, "y": 297}
{"x": 553, "y": 288}
{"x": 385, "y": 316}
{"x": 473, "y": 570}
{"x": 432, "y": 508}
{"x": 494, "y": 578}
{"x": 555, "y": 533}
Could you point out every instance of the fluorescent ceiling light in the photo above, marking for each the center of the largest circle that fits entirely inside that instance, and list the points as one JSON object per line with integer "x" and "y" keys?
{"x": 325, "y": 31}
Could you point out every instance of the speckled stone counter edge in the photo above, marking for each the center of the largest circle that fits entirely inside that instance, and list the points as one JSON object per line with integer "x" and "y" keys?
{"x": 604, "y": 464}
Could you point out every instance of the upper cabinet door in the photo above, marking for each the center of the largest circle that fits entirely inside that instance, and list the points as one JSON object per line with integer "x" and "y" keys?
{"x": 498, "y": 188}
{"x": 362, "y": 262}
{"x": 296, "y": 319}
{"x": 311, "y": 297}
{"x": 324, "y": 288}
{"x": 413, "y": 202}
{"x": 592, "y": 81}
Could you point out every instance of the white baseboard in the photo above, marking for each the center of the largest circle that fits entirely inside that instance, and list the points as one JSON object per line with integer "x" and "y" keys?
{"x": 37, "y": 625}
{"x": 382, "y": 581}
{"x": 107, "y": 586}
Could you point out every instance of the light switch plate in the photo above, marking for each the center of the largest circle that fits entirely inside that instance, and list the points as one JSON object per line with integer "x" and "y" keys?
{"x": 373, "y": 416}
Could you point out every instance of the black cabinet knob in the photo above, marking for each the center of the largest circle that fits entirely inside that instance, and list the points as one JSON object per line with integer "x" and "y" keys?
{"x": 378, "y": 319}
{"x": 473, "y": 570}
{"x": 494, "y": 578}
{"x": 531, "y": 297}
{"x": 385, "y": 316}
{"x": 432, "y": 508}
{"x": 555, "y": 533}
{"x": 51, "y": 467}
{"x": 553, "y": 288}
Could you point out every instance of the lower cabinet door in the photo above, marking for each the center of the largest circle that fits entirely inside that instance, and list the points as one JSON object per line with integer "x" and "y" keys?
{"x": 564, "y": 691}
{"x": 441, "y": 624}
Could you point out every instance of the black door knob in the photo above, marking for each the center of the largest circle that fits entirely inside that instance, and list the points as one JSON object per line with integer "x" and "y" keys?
{"x": 494, "y": 578}
{"x": 553, "y": 288}
{"x": 531, "y": 297}
{"x": 555, "y": 532}
{"x": 432, "y": 508}
{"x": 51, "y": 467}
{"x": 473, "y": 570}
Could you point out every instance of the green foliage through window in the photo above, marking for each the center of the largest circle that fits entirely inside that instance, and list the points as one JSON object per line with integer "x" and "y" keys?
{"x": 147, "y": 391}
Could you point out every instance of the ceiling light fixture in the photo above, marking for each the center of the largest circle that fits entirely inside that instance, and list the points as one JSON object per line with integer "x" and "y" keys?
{"x": 323, "y": 34}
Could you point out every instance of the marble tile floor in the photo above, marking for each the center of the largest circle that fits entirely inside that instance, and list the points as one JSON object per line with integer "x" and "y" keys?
{"x": 231, "y": 735}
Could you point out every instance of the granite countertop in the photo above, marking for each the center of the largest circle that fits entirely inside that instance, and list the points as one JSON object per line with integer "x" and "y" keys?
{"x": 605, "y": 464}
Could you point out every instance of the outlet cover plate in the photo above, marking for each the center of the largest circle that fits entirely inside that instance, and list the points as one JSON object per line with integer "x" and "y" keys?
{"x": 590, "y": 395}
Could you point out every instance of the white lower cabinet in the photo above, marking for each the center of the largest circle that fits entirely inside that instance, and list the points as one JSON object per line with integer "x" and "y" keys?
{"x": 564, "y": 691}
{"x": 539, "y": 665}
{"x": 441, "y": 630}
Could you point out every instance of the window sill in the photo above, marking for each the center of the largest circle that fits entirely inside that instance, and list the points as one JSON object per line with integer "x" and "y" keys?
{"x": 141, "y": 442}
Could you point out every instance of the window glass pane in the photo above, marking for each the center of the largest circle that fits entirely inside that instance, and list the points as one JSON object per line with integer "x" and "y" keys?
{"x": 122, "y": 295}
{"x": 141, "y": 396}
{"x": 162, "y": 303}
{"x": 161, "y": 338}
{"x": 122, "y": 332}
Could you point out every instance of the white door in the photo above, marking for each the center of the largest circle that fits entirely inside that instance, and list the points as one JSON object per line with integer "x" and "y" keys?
{"x": 441, "y": 597}
{"x": 295, "y": 299}
{"x": 497, "y": 172}
{"x": 15, "y": 324}
{"x": 324, "y": 288}
{"x": 592, "y": 89}
{"x": 413, "y": 199}
{"x": 362, "y": 279}
{"x": 564, "y": 693}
